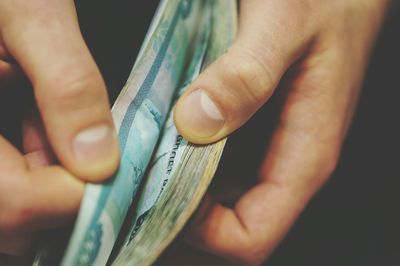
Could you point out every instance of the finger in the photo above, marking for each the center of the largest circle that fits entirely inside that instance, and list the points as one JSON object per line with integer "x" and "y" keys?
{"x": 46, "y": 198}
{"x": 38, "y": 159}
{"x": 11, "y": 160}
{"x": 33, "y": 200}
{"x": 232, "y": 89}
{"x": 33, "y": 133}
{"x": 54, "y": 203}
{"x": 69, "y": 89}
{"x": 302, "y": 155}
{"x": 36, "y": 147}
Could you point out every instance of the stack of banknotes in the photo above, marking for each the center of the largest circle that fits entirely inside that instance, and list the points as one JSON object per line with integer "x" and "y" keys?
{"x": 162, "y": 178}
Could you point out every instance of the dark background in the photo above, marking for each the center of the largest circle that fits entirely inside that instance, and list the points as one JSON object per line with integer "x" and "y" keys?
{"x": 354, "y": 220}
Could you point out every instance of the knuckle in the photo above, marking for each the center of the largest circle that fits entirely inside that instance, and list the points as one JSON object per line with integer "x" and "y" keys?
{"x": 321, "y": 147}
{"x": 246, "y": 248}
{"x": 253, "y": 254}
{"x": 250, "y": 74}
{"x": 74, "y": 92}
{"x": 249, "y": 252}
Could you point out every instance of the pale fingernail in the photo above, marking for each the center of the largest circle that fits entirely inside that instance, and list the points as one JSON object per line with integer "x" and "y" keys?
{"x": 95, "y": 144}
{"x": 199, "y": 115}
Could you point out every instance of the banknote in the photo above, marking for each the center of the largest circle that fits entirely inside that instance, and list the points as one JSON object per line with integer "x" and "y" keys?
{"x": 180, "y": 171}
{"x": 172, "y": 144}
{"x": 139, "y": 114}
{"x": 184, "y": 38}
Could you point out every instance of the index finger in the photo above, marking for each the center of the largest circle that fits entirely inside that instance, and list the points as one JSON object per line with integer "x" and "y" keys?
{"x": 44, "y": 37}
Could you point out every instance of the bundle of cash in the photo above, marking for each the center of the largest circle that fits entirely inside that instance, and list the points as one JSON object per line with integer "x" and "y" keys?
{"x": 116, "y": 225}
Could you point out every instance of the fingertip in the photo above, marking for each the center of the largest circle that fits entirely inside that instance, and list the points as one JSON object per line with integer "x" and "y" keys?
{"x": 98, "y": 172}
{"x": 198, "y": 118}
{"x": 96, "y": 153}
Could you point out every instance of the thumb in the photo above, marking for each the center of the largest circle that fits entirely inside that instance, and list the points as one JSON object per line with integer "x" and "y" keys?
{"x": 233, "y": 88}
{"x": 44, "y": 38}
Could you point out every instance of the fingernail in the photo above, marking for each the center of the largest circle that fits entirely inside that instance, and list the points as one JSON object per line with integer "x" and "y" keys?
{"x": 95, "y": 144}
{"x": 200, "y": 116}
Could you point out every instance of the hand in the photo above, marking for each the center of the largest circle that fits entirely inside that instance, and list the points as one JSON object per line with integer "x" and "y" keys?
{"x": 43, "y": 38}
{"x": 321, "y": 49}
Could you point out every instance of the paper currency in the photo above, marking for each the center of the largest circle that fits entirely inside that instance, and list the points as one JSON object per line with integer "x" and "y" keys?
{"x": 184, "y": 38}
{"x": 172, "y": 145}
{"x": 139, "y": 115}
{"x": 180, "y": 172}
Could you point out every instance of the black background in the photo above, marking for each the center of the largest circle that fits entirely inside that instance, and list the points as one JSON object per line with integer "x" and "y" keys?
{"x": 354, "y": 219}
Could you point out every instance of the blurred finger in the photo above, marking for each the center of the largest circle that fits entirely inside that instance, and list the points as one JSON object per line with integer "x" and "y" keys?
{"x": 46, "y": 198}
{"x": 35, "y": 144}
{"x": 33, "y": 200}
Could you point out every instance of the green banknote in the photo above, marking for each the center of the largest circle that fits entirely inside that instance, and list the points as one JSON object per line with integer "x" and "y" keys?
{"x": 180, "y": 172}
{"x": 184, "y": 37}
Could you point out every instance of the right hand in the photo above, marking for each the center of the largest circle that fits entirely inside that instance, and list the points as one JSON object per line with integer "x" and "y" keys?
{"x": 43, "y": 38}
{"x": 316, "y": 51}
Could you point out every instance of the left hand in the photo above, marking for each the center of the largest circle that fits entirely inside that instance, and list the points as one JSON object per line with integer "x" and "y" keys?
{"x": 41, "y": 39}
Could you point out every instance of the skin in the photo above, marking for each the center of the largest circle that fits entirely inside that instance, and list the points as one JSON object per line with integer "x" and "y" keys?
{"x": 320, "y": 46}
{"x": 41, "y": 40}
